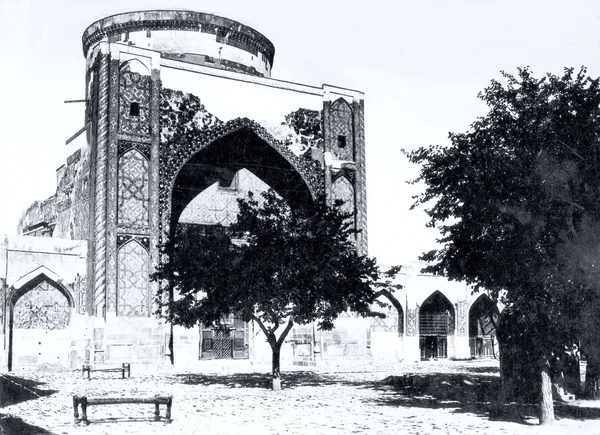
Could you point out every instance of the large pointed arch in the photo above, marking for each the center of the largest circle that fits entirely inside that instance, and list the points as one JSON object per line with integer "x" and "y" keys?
{"x": 175, "y": 157}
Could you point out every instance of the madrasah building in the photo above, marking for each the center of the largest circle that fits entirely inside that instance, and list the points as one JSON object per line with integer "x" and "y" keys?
{"x": 74, "y": 282}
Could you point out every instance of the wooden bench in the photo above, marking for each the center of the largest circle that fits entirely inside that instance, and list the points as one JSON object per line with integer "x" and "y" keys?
{"x": 89, "y": 401}
{"x": 125, "y": 368}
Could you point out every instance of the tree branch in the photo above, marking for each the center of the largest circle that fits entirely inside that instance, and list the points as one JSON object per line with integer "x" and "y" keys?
{"x": 285, "y": 331}
{"x": 270, "y": 336}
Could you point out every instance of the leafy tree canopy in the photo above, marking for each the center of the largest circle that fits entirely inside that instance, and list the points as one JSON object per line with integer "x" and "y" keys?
{"x": 516, "y": 197}
{"x": 275, "y": 265}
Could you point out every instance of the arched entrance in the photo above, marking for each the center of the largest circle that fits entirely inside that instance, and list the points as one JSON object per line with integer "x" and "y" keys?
{"x": 387, "y": 333}
{"x": 205, "y": 193}
{"x": 436, "y": 326}
{"x": 483, "y": 323}
{"x": 40, "y": 308}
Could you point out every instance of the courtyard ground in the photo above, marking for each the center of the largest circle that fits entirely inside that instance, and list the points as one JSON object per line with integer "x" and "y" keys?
{"x": 433, "y": 397}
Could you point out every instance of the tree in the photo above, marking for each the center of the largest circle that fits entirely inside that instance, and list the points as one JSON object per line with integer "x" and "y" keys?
{"x": 276, "y": 265}
{"x": 512, "y": 198}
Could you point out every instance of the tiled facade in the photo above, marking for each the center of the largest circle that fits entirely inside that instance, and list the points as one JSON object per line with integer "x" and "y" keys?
{"x": 157, "y": 156}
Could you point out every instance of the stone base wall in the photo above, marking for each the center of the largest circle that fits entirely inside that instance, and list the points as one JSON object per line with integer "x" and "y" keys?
{"x": 132, "y": 340}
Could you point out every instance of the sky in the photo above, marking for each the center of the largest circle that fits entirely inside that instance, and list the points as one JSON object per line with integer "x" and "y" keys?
{"x": 420, "y": 64}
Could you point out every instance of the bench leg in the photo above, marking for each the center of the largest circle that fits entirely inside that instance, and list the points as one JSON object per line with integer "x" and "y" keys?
{"x": 76, "y": 408}
{"x": 84, "y": 418}
{"x": 156, "y": 412}
{"x": 169, "y": 403}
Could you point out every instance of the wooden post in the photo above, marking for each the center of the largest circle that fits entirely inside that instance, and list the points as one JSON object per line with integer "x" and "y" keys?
{"x": 156, "y": 411}
{"x": 84, "y": 419}
{"x": 169, "y": 403}
{"x": 75, "y": 408}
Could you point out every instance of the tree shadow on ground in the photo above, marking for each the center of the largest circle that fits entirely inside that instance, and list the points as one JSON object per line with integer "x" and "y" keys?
{"x": 10, "y": 425}
{"x": 471, "y": 393}
{"x": 263, "y": 380}
{"x": 463, "y": 392}
{"x": 16, "y": 390}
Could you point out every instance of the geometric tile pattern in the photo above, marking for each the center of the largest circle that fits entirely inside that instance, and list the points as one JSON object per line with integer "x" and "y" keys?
{"x": 133, "y": 190}
{"x": 411, "y": 322}
{"x": 134, "y": 90}
{"x": 341, "y": 125}
{"x": 133, "y": 298}
{"x": 462, "y": 318}
{"x": 393, "y": 321}
{"x": 342, "y": 189}
{"x": 218, "y": 205}
{"x": 42, "y": 307}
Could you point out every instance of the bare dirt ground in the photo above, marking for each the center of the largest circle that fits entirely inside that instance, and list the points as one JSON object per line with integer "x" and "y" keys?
{"x": 433, "y": 397}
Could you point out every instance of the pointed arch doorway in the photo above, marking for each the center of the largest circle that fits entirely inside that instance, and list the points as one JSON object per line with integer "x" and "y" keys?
{"x": 436, "y": 326}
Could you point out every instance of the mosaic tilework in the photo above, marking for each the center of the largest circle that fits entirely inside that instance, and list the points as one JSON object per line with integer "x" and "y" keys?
{"x": 462, "y": 318}
{"x": 343, "y": 189}
{"x": 111, "y": 187}
{"x": 134, "y": 104}
{"x": 42, "y": 307}
{"x": 99, "y": 257}
{"x": 393, "y": 321}
{"x": 340, "y": 126}
{"x": 360, "y": 181}
{"x": 133, "y": 190}
{"x": 411, "y": 322}
{"x": 133, "y": 298}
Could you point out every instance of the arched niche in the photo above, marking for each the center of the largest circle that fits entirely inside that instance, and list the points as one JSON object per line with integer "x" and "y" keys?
{"x": 133, "y": 282}
{"x": 436, "y": 326}
{"x": 133, "y": 193}
{"x": 343, "y": 189}
{"x": 394, "y": 320}
{"x": 483, "y": 324}
{"x": 42, "y": 303}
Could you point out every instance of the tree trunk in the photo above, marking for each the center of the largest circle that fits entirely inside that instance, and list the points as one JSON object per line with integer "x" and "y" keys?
{"x": 546, "y": 403}
{"x": 171, "y": 356}
{"x": 276, "y": 367}
{"x": 592, "y": 382}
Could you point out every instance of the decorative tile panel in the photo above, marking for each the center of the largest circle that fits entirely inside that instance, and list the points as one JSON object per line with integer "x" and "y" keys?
{"x": 111, "y": 200}
{"x": 134, "y": 104}
{"x": 343, "y": 189}
{"x": 393, "y": 321}
{"x": 133, "y": 296}
{"x": 42, "y": 307}
{"x": 341, "y": 131}
{"x": 462, "y": 318}
{"x": 411, "y": 322}
{"x": 133, "y": 190}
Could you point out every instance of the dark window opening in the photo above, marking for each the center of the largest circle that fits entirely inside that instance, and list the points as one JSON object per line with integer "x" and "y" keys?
{"x": 134, "y": 109}
{"x": 148, "y": 33}
{"x": 341, "y": 141}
